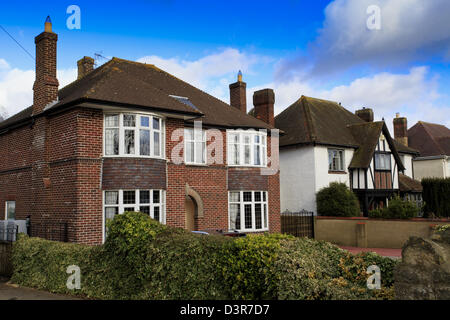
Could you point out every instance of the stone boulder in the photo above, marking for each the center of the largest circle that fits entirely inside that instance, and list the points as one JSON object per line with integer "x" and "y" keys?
{"x": 424, "y": 273}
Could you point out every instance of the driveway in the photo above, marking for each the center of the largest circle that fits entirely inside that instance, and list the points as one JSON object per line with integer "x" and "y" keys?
{"x": 13, "y": 292}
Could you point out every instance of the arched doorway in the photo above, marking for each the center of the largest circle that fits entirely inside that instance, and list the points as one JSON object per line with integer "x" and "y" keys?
{"x": 191, "y": 213}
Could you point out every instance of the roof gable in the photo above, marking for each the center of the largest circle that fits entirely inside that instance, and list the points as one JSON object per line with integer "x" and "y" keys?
{"x": 430, "y": 139}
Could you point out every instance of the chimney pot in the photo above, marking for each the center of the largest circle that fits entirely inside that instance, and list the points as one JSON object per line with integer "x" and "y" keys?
{"x": 264, "y": 101}
{"x": 85, "y": 65}
{"x": 365, "y": 114}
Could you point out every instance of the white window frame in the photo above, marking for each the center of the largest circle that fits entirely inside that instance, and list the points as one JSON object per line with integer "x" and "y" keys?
{"x": 136, "y": 129}
{"x": 6, "y": 209}
{"x": 342, "y": 160}
{"x": 136, "y": 206}
{"x": 387, "y": 160}
{"x": 197, "y": 158}
{"x": 252, "y": 134}
{"x": 264, "y": 211}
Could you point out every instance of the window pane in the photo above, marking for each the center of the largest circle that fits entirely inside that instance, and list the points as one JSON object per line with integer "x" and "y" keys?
{"x": 264, "y": 196}
{"x": 156, "y": 124}
{"x": 129, "y": 141}
{"x": 145, "y": 122}
{"x": 247, "y": 154}
{"x": 258, "y": 196}
{"x": 247, "y": 196}
{"x": 257, "y": 155}
{"x": 144, "y": 142}
{"x": 110, "y": 213}
{"x": 112, "y": 142}
{"x": 156, "y": 214}
{"x": 235, "y": 216}
{"x": 235, "y": 196}
{"x": 145, "y": 209}
{"x": 265, "y": 216}
{"x": 190, "y": 152}
{"x": 156, "y": 143}
{"x": 131, "y": 209}
{"x": 258, "y": 216}
{"x": 112, "y": 120}
{"x": 199, "y": 156}
{"x": 248, "y": 216}
{"x": 111, "y": 197}
{"x": 11, "y": 210}
{"x": 129, "y": 120}
{"x": 156, "y": 197}
{"x": 144, "y": 197}
{"x": 189, "y": 134}
{"x": 129, "y": 197}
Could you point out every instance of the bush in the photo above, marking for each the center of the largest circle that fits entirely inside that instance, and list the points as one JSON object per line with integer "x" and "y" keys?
{"x": 397, "y": 209}
{"x": 436, "y": 195}
{"x": 337, "y": 200}
{"x": 142, "y": 259}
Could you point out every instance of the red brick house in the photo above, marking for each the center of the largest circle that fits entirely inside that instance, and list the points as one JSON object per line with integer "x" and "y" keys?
{"x": 122, "y": 138}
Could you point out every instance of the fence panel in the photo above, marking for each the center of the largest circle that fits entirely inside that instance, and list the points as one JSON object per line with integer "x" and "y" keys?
{"x": 298, "y": 224}
{"x": 55, "y": 231}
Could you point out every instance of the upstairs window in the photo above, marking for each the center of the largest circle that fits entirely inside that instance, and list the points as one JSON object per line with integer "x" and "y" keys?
{"x": 383, "y": 161}
{"x": 247, "y": 148}
{"x": 10, "y": 210}
{"x": 335, "y": 160}
{"x": 133, "y": 135}
{"x": 195, "y": 146}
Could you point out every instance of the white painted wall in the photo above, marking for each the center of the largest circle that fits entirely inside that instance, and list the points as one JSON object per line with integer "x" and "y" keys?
{"x": 297, "y": 180}
{"x": 432, "y": 168}
{"x": 407, "y": 163}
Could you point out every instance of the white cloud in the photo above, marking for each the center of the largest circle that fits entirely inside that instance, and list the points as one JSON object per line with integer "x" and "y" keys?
{"x": 413, "y": 94}
{"x": 410, "y": 30}
{"x": 16, "y": 87}
{"x": 3, "y": 64}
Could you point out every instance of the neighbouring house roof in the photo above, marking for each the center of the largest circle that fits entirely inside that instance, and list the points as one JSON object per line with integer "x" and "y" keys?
{"x": 316, "y": 121}
{"x": 430, "y": 139}
{"x": 407, "y": 184}
{"x": 128, "y": 83}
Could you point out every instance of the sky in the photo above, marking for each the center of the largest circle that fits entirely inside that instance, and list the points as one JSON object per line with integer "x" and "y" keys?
{"x": 388, "y": 55}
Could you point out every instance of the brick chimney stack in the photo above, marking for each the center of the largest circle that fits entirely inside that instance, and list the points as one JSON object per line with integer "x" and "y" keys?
{"x": 365, "y": 114}
{"x": 85, "y": 66}
{"x": 46, "y": 84}
{"x": 264, "y": 101}
{"x": 238, "y": 94}
{"x": 401, "y": 129}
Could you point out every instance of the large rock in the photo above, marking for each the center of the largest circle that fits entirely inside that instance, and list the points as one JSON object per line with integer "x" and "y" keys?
{"x": 424, "y": 273}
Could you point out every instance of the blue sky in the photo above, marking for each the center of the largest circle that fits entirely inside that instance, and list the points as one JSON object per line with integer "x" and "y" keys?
{"x": 317, "y": 48}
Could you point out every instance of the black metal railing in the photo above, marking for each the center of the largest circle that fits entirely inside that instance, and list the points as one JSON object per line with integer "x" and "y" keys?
{"x": 298, "y": 224}
{"x": 49, "y": 230}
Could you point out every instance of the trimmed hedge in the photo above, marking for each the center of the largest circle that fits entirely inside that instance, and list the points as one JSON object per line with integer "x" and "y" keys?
{"x": 337, "y": 200}
{"x": 436, "y": 195}
{"x": 143, "y": 259}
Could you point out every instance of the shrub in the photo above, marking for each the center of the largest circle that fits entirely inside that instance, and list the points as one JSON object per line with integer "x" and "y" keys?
{"x": 397, "y": 209}
{"x": 337, "y": 200}
{"x": 377, "y": 213}
{"x": 436, "y": 195}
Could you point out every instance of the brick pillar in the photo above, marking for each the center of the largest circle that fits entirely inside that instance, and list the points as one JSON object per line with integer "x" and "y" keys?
{"x": 238, "y": 94}
{"x": 401, "y": 129}
{"x": 264, "y": 101}
{"x": 85, "y": 66}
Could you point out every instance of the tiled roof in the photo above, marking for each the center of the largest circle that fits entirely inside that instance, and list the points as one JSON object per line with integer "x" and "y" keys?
{"x": 128, "y": 83}
{"x": 407, "y": 184}
{"x": 430, "y": 139}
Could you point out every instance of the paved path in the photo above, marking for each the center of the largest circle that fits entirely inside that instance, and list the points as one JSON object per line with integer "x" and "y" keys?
{"x": 12, "y": 292}
{"x": 393, "y": 253}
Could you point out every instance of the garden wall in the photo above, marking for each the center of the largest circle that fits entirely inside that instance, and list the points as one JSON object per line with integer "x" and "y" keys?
{"x": 372, "y": 233}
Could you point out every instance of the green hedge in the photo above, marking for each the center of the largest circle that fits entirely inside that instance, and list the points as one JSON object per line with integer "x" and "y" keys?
{"x": 143, "y": 259}
{"x": 337, "y": 200}
{"x": 436, "y": 195}
{"x": 397, "y": 209}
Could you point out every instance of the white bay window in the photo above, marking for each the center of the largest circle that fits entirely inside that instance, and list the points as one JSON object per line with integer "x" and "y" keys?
{"x": 133, "y": 135}
{"x": 247, "y": 148}
{"x": 248, "y": 211}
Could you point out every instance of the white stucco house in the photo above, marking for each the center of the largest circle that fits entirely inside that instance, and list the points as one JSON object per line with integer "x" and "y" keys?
{"x": 324, "y": 142}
